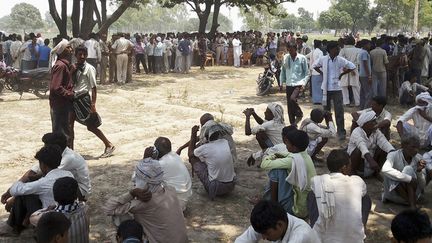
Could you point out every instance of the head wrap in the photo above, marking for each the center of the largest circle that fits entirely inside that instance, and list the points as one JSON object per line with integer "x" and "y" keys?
{"x": 158, "y": 39}
{"x": 425, "y": 96}
{"x": 366, "y": 117}
{"x": 148, "y": 172}
{"x": 277, "y": 111}
{"x": 60, "y": 47}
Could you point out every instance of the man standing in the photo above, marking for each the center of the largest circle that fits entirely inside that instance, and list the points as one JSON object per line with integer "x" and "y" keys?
{"x": 379, "y": 72}
{"x": 61, "y": 89}
{"x": 31, "y": 53}
{"x": 139, "y": 49}
{"x": 237, "y": 48}
{"x": 332, "y": 67}
{"x": 93, "y": 49}
{"x": 112, "y": 60}
{"x": 365, "y": 74}
{"x": 295, "y": 74}
{"x": 104, "y": 58}
{"x": 158, "y": 55}
{"x": 122, "y": 47}
{"x": 44, "y": 54}
{"x": 184, "y": 47}
{"x": 84, "y": 107}
{"x": 351, "y": 53}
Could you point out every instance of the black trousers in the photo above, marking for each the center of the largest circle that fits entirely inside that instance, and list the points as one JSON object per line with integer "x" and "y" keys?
{"x": 139, "y": 58}
{"x": 22, "y": 208}
{"x": 151, "y": 64}
{"x": 294, "y": 109}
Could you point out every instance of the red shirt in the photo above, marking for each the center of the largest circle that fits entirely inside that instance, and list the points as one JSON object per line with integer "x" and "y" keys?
{"x": 61, "y": 85}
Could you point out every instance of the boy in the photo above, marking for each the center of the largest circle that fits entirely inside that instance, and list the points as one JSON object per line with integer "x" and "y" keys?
{"x": 409, "y": 90}
{"x": 269, "y": 221}
{"x": 318, "y": 134}
{"x": 411, "y": 226}
{"x": 65, "y": 192}
{"x": 129, "y": 231}
{"x": 52, "y": 227}
{"x": 290, "y": 173}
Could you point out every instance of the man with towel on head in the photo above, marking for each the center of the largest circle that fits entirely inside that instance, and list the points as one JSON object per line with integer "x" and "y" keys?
{"x": 421, "y": 115}
{"x": 268, "y": 132}
{"x": 367, "y": 146}
{"x": 338, "y": 204}
{"x": 61, "y": 89}
{"x": 161, "y": 216}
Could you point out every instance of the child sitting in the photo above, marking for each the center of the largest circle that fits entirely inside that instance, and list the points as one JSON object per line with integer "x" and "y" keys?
{"x": 129, "y": 231}
{"x": 53, "y": 227}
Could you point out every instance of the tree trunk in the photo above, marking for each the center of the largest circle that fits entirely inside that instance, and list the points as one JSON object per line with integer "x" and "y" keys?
{"x": 87, "y": 21}
{"x": 103, "y": 10}
{"x": 203, "y": 17}
{"x": 416, "y": 13}
{"x": 115, "y": 16}
{"x": 76, "y": 12}
{"x": 60, "y": 23}
{"x": 215, "y": 23}
{"x": 335, "y": 32}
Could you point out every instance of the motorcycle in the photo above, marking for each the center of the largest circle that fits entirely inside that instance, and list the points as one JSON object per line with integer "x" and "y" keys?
{"x": 34, "y": 81}
{"x": 265, "y": 81}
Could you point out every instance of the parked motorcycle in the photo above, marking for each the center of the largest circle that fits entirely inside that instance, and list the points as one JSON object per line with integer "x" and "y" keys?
{"x": 34, "y": 81}
{"x": 265, "y": 81}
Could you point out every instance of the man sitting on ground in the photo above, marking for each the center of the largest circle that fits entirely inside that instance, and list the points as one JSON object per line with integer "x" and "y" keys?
{"x": 318, "y": 133}
{"x": 404, "y": 173}
{"x": 213, "y": 162}
{"x": 65, "y": 192}
{"x": 338, "y": 204}
{"x": 292, "y": 172}
{"x": 411, "y": 226}
{"x": 53, "y": 227}
{"x": 161, "y": 216}
{"x": 207, "y": 121}
{"x": 421, "y": 115}
{"x": 367, "y": 146}
{"x": 383, "y": 117}
{"x": 129, "y": 231}
{"x": 268, "y": 132}
{"x": 410, "y": 89}
{"x": 70, "y": 161}
{"x": 175, "y": 173}
{"x": 269, "y": 221}
{"x": 25, "y": 197}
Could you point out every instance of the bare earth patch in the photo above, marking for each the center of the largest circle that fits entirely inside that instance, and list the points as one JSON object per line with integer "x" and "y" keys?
{"x": 168, "y": 105}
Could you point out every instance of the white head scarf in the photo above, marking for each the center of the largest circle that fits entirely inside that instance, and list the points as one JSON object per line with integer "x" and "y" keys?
{"x": 425, "y": 96}
{"x": 148, "y": 172}
{"x": 366, "y": 117}
{"x": 60, "y": 47}
{"x": 158, "y": 39}
{"x": 277, "y": 111}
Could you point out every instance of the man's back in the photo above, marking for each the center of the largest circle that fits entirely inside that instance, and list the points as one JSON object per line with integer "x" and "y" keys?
{"x": 379, "y": 59}
{"x": 175, "y": 172}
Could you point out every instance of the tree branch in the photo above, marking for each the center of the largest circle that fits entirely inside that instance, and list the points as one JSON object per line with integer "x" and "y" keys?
{"x": 115, "y": 16}
{"x": 98, "y": 16}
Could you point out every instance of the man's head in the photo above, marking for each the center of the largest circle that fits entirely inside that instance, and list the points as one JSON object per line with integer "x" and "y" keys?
{"x": 295, "y": 140}
{"x": 205, "y": 118}
{"x": 56, "y": 138}
{"x": 333, "y": 48}
{"x": 274, "y": 112}
{"x": 270, "y": 220}
{"x": 423, "y": 99}
{"x": 378, "y": 103}
{"x": 129, "y": 229}
{"x": 317, "y": 44}
{"x": 317, "y": 115}
{"x": 63, "y": 49}
{"x": 367, "y": 121}
{"x": 163, "y": 145}
{"x": 46, "y": 42}
{"x": 338, "y": 161}
{"x": 52, "y": 227}
{"x": 65, "y": 190}
{"x": 292, "y": 48}
{"x": 49, "y": 157}
{"x": 410, "y": 144}
{"x": 81, "y": 54}
{"x": 366, "y": 44}
{"x": 411, "y": 226}
{"x": 148, "y": 172}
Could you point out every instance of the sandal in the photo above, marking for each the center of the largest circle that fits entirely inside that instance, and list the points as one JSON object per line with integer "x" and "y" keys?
{"x": 108, "y": 152}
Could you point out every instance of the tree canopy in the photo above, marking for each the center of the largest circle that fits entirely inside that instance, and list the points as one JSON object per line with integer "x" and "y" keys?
{"x": 25, "y": 16}
{"x": 335, "y": 19}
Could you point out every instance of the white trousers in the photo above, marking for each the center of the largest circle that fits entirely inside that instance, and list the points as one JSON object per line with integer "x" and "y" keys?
{"x": 356, "y": 93}
{"x": 122, "y": 66}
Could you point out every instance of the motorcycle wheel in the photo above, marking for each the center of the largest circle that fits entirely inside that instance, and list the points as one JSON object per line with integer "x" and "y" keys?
{"x": 12, "y": 84}
{"x": 43, "y": 94}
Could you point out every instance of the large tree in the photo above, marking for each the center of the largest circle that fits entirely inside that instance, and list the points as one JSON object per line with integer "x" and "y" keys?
{"x": 25, "y": 16}
{"x": 306, "y": 20}
{"x": 258, "y": 18}
{"x": 355, "y": 8}
{"x": 335, "y": 19}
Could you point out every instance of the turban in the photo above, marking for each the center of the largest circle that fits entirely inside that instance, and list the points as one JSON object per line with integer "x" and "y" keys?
{"x": 61, "y": 46}
{"x": 366, "y": 117}
{"x": 277, "y": 111}
{"x": 149, "y": 172}
{"x": 425, "y": 96}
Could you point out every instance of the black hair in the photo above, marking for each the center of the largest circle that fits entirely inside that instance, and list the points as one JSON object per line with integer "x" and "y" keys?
{"x": 349, "y": 40}
{"x": 411, "y": 225}
{"x": 266, "y": 214}
{"x": 163, "y": 145}
{"x": 291, "y": 44}
{"x": 130, "y": 228}
{"x": 50, "y": 225}
{"x": 297, "y": 138}
{"x": 50, "y": 155}
{"x": 56, "y": 138}
{"x": 317, "y": 115}
{"x": 81, "y": 48}
{"x": 317, "y": 44}
{"x": 46, "y": 42}
{"x": 380, "y": 100}
{"x": 336, "y": 159}
{"x": 331, "y": 45}
{"x": 286, "y": 130}
{"x": 65, "y": 190}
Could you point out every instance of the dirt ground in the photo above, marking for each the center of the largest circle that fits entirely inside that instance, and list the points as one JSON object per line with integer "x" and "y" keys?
{"x": 168, "y": 105}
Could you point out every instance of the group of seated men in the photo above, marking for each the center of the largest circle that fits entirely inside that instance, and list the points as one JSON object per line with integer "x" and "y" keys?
{"x": 294, "y": 196}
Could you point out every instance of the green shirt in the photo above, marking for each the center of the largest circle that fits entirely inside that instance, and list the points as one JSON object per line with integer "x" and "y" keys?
{"x": 300, "y": 197}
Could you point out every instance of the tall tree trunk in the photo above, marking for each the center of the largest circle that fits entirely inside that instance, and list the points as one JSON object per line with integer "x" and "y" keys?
{"x": 87, "y": 21}
{"x": 416, "y": 15}
{"x": 76, "y": 12}
{"x": 215, "y": 23}
{"x": 335, "y": 32}
{"x": 60, "y": 22}
{"x": 115, "y": 16}
{"x": 103, "y": 10}
{"x": 203, "y": 17}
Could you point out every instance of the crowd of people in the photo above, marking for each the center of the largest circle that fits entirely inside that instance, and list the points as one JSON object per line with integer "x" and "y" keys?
{"x": 297, "y": 205}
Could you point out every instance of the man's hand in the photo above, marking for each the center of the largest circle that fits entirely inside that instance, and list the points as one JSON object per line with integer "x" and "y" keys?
{"x": 178, "y": 151}
{"x": 374, "y": 165}
{"x": 421, "y": 165}
{"x": 5, "y": 196}
{"x": 248, "y": 112}
{"x": 9, "y": 203}
{"x": 148, "y": 152}
{"x": 195, "y": 129}
{"x": 328, "y": 116}
{"x": 143, "y": 195}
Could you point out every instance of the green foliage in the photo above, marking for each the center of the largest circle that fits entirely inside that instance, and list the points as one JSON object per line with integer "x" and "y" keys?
{"x": 226, "y": 25}
{"x": 258, "y": 18}
{"x": 290, "y": 22}
{"x": 335, "y": 19}
{"x": 395, "y": 14}
{"x": 305, "y": 19}
{"x": 26, "y": 16}
{"x": 356, "y": 9}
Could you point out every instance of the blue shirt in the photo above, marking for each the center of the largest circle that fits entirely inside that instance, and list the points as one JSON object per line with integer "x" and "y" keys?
{"x": 285, "y": 190}
{"x": 364, "y": 56}
{"x": 44, "y": 53}
{"x": 33, "y": 54}
{"x": 294, "y": 72}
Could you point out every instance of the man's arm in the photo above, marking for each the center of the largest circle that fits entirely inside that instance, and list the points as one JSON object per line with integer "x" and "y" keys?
{"x": 123, "y": 204}
{"x": 249, "y": 236}
{"x": 275, "y": 162}
{"x": 56, "y": 80}
{"x": 93, "y": 100}
{"x": 193, "y": 140}
{"x": 390, "y": 172}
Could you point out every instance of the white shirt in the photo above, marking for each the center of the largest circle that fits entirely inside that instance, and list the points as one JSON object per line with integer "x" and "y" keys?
{"x": 385, "y": 115}
{"x": 298, "y": 231}
{"x": 93, "y": 49}
{"x": 315, "y": 131}
{"x": 42, "y": 187}
{"x": 316, "y": 54}
{"x": 86, "y": 79}
{"x": 420, "y": 123}
{"x": 331, "y": 70}
{"x": 411, "y": 87}
{"x": 217, "y": 156}
{"x": 175, "y": 172}
{"x": 272, "y": 129}
{"x": 76, "y": 164}
{"x": 121, "y": 45}
{"x": 366, "y": 144}
{"x": 346, "y": 224}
